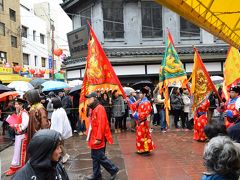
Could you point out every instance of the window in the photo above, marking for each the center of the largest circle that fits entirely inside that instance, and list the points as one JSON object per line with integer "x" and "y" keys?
{"x": 24, "y": 31}
{"x": 2, "y": 29}
{"x": 151, "y": 20}
{"x": 113, "y": 19}
{"x": 35, "y": 61}
{"x": 25, "y": 59}
{"x": 187, "y": 29}
{"x": 1, "y": 5}
{"x": 42, "y": 38}
{"x": 12, "y": 14}
{"x": 3, "y": 57}
{"x": 43, "y": 62}
{"x": 85, "y": 16}
{"x": 13, "y": 41}
{"x": 34, "y": 35}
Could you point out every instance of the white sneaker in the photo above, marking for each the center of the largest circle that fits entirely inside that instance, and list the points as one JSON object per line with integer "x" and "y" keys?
{"x": 65, "y": 158}
{"x": 150, "y": 130}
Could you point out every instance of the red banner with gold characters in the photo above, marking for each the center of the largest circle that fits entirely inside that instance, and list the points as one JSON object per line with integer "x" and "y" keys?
{"x": 99, "y": 74}
{"x": 202, "y": 84}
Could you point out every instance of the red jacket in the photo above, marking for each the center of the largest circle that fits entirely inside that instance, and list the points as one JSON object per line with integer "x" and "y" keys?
{"x": 100, "y": 128}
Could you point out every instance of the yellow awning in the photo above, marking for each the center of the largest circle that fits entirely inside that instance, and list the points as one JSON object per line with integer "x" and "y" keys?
{"x": 219, "y": 17}
{"x": 8, "y": 78}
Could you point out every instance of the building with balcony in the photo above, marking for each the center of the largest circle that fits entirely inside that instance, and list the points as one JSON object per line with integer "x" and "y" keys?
{"x": 133, "y": 33}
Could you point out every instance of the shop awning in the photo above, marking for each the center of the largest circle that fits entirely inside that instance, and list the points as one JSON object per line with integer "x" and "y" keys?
{"x": 221, "y": 18}
{"x": 8, "y": 78}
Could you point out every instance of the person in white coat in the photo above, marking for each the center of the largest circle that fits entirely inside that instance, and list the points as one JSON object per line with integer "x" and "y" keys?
{"x": 60, "y": 123}
{"x": 186, "y": 107}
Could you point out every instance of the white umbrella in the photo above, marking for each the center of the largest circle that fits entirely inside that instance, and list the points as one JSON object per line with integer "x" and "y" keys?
{"x": 75, "y": 83}
{"x": 128, "y": 90}
{"x": 20, "y": 86}
{"x": 217, "y": 79}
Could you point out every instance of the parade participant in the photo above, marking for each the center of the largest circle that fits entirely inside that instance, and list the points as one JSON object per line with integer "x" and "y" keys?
{"x": 44, "y": 152}
{"x": 141, "y": 110}
{"x": 98, "y": 133}
{"x": 38, "y": 118}
{"x": 200, "y": 121}
{"x": 231, "y": 112}
{"x": 20, "y": 145}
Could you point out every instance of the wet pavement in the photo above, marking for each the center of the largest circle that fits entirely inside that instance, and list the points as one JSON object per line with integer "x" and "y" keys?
{"x": 5, "y": 142}
{"x": 177, "y": 157}
{"x": 80, "y": 164}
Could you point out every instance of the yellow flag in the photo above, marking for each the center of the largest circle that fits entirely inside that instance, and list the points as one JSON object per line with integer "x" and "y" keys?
{"x": 232, "y": 67}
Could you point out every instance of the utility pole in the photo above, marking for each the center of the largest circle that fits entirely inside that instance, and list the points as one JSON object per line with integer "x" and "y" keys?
{"x": 52, "y": 28}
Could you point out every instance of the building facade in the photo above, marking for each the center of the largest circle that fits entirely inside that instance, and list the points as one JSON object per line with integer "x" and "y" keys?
{"x": 10, "y": 33}
{"x": 34, "y": 40}
{"x": 133, "y": 34}
{"x": 56, "y": 19}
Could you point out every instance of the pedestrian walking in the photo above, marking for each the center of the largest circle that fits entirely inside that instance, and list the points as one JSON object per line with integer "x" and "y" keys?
{"x": 98, "y": 134}
{"x": 61, "y": 124}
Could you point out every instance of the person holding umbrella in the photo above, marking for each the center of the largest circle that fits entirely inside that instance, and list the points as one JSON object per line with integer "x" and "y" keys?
{"x": 20, "y": 126}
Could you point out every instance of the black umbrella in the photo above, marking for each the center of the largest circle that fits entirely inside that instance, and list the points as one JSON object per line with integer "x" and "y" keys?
{"x": 142, "y": 84}
{"x": 37, "y": 82}
{"x": 4, "y": 88}
{"x": 75, "y": 89}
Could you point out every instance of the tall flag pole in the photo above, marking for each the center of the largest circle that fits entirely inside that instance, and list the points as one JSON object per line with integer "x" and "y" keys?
{"x": 99, "y": 74}
{"x": 172, "y": 72}
{"x": 202, "y": 84}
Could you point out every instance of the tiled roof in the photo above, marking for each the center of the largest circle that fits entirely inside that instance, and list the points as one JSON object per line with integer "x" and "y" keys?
{"x": 160, "y": 51}
{"x": 119, "y": 52}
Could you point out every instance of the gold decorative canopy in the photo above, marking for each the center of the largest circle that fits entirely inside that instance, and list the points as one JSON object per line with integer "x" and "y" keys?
{"x": 219, "y": 17}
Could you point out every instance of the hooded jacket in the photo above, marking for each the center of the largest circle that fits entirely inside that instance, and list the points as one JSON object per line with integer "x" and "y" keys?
{"x": 39, "y": 165}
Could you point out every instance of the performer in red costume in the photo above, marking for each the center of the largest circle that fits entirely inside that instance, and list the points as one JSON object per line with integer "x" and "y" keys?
{"x": 20, "y": 146}
{"x": 98, "y": 134}
{"x": 141, "y": 110}
{"x": 230, "y": 110}
{"x": 200, "y": 121}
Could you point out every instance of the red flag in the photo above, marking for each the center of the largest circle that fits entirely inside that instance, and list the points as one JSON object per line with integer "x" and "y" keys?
{"x": 99, "y": 74}
{"x": 202, "y": 84}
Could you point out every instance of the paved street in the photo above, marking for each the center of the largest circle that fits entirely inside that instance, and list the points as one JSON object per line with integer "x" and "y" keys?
{"x": 177, "y": 157}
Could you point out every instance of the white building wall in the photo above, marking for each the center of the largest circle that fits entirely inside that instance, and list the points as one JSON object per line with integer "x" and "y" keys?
{"x": 29, "y": 46}
{"x": 51, "y": 10}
